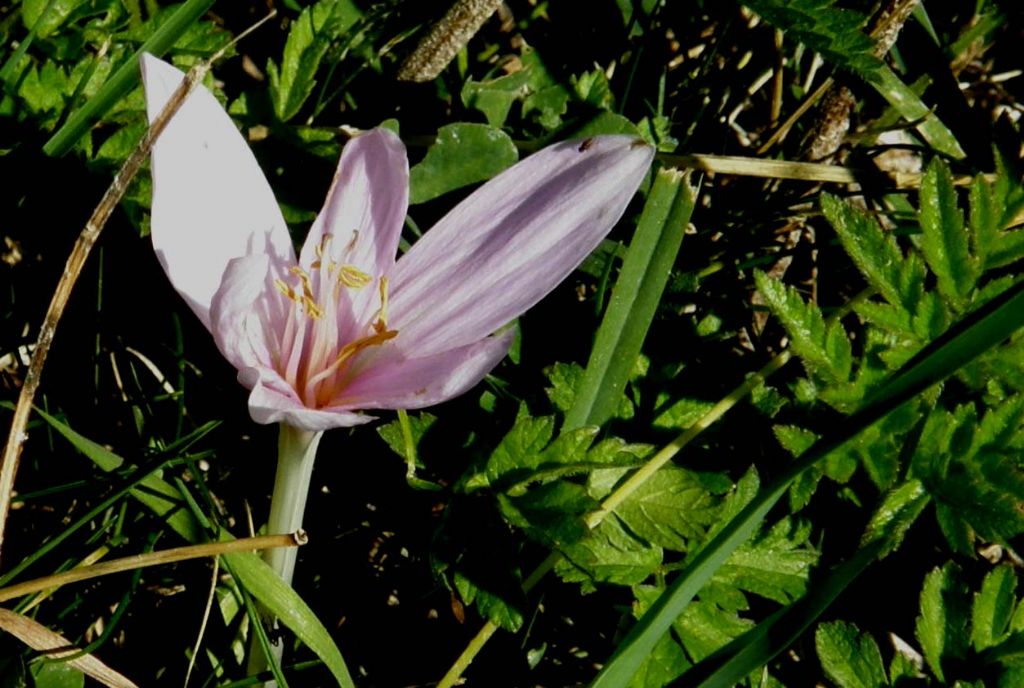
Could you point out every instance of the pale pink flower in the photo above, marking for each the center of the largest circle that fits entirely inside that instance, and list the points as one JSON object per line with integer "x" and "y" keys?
{"x": 345, "y": 327}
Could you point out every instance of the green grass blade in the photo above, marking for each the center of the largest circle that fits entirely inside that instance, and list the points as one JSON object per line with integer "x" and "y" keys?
{"x": 910, "y": 106}
{"x": 257, "y": 577}
{"x": 284, "y": 603}
{"x": 125, "y": 78}
{"x": 156, "y": 494}
{"x": 991, "y": 324}
{"x": 759, "y": 645}
{"x": 634, "y": 301}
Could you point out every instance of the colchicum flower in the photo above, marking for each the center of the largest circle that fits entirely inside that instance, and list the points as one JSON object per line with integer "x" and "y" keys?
{"x": 344, "y": 327}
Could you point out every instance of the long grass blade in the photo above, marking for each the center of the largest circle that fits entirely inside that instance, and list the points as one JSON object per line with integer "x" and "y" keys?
{"x": 634, "y": 301}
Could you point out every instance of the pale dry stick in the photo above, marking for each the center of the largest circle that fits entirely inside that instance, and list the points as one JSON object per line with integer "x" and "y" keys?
{"x": 83, "y": 246}
{"x": 140, "y": 561}
{"x": 446, "y": 39}
{"x": 206, "y": 619}
{"x": 626, "y": 489}
{"x": 803, "y": 171}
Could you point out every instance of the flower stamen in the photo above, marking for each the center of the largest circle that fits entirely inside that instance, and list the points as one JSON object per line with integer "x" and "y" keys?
{"x": 352, "y": 277}
{"x": 381, "y": 324}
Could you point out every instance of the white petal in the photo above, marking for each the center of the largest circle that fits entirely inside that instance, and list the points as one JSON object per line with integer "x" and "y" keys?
{"x": 211, "y": 202}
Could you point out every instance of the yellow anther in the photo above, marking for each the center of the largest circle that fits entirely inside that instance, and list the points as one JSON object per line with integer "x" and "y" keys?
{"x": 352, "y": 277}
{"x": 285, "y": 289}
{"x": 312, "y": 309}
{"x": 352, "y": 348}
{"x": 307, "y": 285}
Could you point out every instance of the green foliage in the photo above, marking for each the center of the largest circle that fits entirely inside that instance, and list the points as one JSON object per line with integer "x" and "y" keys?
{"x": 462, "y": 154}
{"x": 824, "y": 348}
{"x": 835, "y": 33}
{"x": 963, "y": 636}
{"x": 56, "y": 674}
{"x": 942, "y": 626}
{"x": 943, "y": 236}
{"x": 310, "y": 37}
{"x": 902, "y": 317}
{"x": 851, "y": 659}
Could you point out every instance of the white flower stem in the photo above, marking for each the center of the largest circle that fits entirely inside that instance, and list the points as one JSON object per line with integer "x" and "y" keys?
{"x": 296, "y": 453}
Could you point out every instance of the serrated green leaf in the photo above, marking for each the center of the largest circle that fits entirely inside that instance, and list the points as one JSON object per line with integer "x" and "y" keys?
{"x": 462, "y": 154}
{"x": 608, "y": 554}
{"x": 310, "y": 36}
{"x": 682, "y": 414}
{"x": 872, "y": 250}
{"x": 392, "y": 433}
{"x": 521, "y": 448}
{"x": 705, "y": 627}
{"x": 824, "y": 348}
{"x": 835, "y": 33}
{"x": 594, "y": 89}
{"x": 565, "y": 380}
{"x": 941, "y": 628}
{"x": 851, "y": 659}
{"x": 993, "y": 608}
{"x": 551, "y": 513}
{"x": 669, "y": 509}
{"x": 944, "y": 241}
{"x": 547, "y": 105}
{"x": 492, "y": 606}
{"x": 634, "y": 300}
{"x": 775, "y": 565}
{"x": 898, "y": 510}
{"x": 44, "y": 90}
{"x": 665, "y": 663}
{"x": 984, "y": 220}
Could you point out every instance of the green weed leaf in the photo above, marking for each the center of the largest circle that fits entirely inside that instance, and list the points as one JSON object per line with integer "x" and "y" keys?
{"x": 942, "y": 625}
{"x": 944, "y": 241}
{"x": 993, "y": 608}
{"x": 824, "y": 348}
{"x": 462, "y": 154}
{"x": 310, "y": 37}
{"x": 851, "y": 659}
{"x": 835, "y": 33}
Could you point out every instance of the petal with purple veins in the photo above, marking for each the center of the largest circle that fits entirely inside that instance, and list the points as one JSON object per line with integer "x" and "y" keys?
{"x": 513, "y": 240}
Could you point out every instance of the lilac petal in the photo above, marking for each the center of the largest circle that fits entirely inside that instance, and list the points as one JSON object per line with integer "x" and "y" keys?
{"x": 512, "y": 241}
{"x": 366, "y": 205}
{"x": 423, "y": 381}
{"x": 243, "y": 313}
{"x": 211, "y": 202}
{"x": 272, "y": 400}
